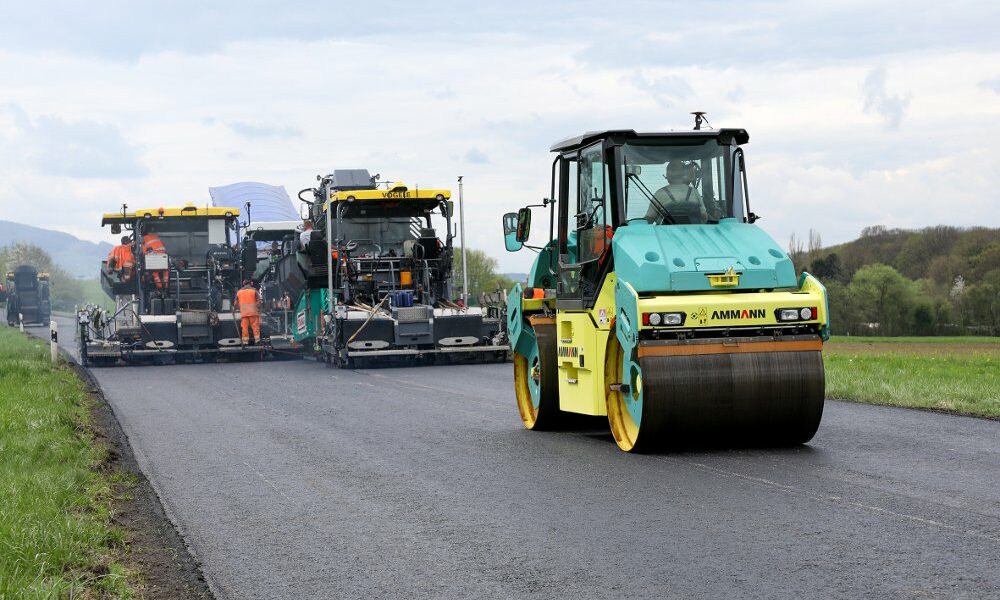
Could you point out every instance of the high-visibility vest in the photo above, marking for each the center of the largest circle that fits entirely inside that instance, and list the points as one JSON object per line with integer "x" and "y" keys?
{"x": 152, "y": 244}
{"x": 246, "y": 299}
{"x": 122, "y": 257}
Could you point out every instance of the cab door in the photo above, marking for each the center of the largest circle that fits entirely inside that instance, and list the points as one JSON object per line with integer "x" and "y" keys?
{"x": 584, "y": 242}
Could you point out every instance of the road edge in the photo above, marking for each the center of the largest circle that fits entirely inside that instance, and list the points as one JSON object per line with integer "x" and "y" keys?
{"x": 186, "y": 575}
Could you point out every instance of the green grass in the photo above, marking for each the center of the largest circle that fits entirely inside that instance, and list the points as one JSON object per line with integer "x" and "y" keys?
{"x": 971, "y": 339}
{"x": 56, "y": 540}
{"x": 93, "y": 294}
{"x": 959, "y": 375}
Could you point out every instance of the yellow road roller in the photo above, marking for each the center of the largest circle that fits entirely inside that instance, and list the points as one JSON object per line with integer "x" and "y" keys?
{"x": 658, "y": 301}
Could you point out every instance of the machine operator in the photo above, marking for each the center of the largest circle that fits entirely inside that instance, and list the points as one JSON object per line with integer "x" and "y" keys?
{"x": 152, "y": 244}
{"x": 121, "y": 260}
{"x": 248, "y": 301}
{"x": 678, "y": 192}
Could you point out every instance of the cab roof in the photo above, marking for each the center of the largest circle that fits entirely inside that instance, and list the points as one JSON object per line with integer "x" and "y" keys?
{"x": 725, "y": 136}
{"x": 188, "y": 210}
{"x": 396, "y": 191}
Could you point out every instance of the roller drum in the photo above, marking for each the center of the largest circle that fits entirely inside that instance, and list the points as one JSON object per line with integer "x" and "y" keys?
{"x": 768, "y": 398}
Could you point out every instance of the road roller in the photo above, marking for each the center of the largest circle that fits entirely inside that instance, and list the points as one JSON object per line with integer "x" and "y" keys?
{"x": 656, "y": 300}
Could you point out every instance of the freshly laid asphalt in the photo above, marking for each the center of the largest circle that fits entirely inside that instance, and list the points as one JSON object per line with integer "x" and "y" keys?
{"x": 293, "y": 480}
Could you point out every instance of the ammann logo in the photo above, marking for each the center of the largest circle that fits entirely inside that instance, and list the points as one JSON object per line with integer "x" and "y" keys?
{"x": 737, "y": 314}
{"x": 568, "y": 351}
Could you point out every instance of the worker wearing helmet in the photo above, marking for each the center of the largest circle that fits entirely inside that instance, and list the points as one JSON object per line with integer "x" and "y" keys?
{"x": 121, "y": 260}
{"x": 679, "y": 196}
{"x": 152, "y": 244}
{"x": 248, "y": 301}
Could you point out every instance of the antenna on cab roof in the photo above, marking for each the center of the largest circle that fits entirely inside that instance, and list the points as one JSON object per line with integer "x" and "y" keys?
{"x": 699, "y": 117}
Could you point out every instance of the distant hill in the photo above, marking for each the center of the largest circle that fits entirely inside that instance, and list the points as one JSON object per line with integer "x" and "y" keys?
{"x": 79, "y": 257}
{"x": 936, "y": 280}
{"x": 939, "y": 254}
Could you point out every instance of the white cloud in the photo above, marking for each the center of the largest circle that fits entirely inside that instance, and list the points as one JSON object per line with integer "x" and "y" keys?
{"x": 424, "y": 105}
{"x": 257, "y": 130}
{"x": 875, "y": 98}
{"x": 84, "y": 149}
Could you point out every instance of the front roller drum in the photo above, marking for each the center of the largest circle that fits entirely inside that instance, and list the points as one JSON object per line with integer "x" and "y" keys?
{"x": 536, "y": 382}
{"x": 748, "y": 398}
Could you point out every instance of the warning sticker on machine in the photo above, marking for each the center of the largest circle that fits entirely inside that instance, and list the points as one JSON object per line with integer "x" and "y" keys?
{"x": 602, "y": 316}
{"x": 300, "y": 322}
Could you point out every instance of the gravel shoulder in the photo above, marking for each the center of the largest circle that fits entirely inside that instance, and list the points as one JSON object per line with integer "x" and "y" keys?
{"x": 156, "y": 550}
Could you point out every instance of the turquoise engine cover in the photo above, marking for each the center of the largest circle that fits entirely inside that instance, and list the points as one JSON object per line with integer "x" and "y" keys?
{"x": 677, "y": 258}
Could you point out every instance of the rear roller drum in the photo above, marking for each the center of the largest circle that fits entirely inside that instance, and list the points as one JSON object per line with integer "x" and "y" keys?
{"x": 536, "y": 384}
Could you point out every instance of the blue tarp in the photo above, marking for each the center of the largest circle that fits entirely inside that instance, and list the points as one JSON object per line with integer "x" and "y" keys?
{"x": 268, "y": 203}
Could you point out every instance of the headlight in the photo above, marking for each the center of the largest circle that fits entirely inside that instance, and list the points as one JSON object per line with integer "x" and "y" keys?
{"x": 657, "y": 319}
{"x": 805, "y": 313}
{"x": 673, "y": 318}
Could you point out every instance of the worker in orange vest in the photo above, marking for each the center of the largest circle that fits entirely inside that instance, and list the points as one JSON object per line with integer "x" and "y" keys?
{"x": 121, "y": 260}
{"x": 152, "y": 244}
{"x": 248, "y": 301}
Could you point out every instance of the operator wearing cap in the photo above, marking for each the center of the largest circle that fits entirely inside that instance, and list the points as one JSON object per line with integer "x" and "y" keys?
{"x": 678, "y": 196}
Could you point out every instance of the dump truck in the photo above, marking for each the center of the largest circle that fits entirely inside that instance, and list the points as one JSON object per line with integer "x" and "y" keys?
{"x": 657, "y": 301}
{"x": 374, "y": 277}
{"x": 28, "y": 296}
{"x": 175, "y": 300}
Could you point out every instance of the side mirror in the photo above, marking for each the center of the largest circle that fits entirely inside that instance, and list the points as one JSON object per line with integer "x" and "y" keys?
{"x": 116, "y": 228}
{"x": 523, "y": 224}
{"x": 448, "y": 209}
{"x": 510, "y": 240}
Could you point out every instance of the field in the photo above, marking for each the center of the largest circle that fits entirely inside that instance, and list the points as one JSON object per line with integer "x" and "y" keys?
{"x": 955, "y": 374}
{"x": 93, "y": 294}
{"x": 56, "y": 540}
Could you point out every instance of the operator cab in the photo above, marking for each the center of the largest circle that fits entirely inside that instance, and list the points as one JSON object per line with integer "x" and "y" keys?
{"x": 382, "y": 237}
{"x": 197, "y": 264}
{"x": 604, "y": 180}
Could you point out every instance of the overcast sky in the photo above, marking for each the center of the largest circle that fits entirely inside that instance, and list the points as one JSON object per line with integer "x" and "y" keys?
{"x": 859, "y": 113}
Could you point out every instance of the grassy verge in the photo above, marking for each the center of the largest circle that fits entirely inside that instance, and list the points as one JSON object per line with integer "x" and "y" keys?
{"x": 971, "y": 339}
{"x": 93, "y": 294}
{"x": 56, "y": 538}
{"x": 953, "y": 374}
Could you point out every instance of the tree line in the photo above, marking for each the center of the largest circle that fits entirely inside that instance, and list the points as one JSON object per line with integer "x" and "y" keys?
{"x": 483, "y": 276}
{"x": 933, "y": 281}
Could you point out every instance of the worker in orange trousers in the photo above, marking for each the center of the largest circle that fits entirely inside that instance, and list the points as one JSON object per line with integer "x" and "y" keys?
{"x": 248, "y": 301}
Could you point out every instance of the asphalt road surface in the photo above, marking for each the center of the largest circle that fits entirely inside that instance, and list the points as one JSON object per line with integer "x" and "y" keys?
{"x": 292, "y": 480}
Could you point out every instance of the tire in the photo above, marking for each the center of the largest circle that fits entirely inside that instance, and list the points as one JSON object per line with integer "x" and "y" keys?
{"x": 536, "y": 383}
